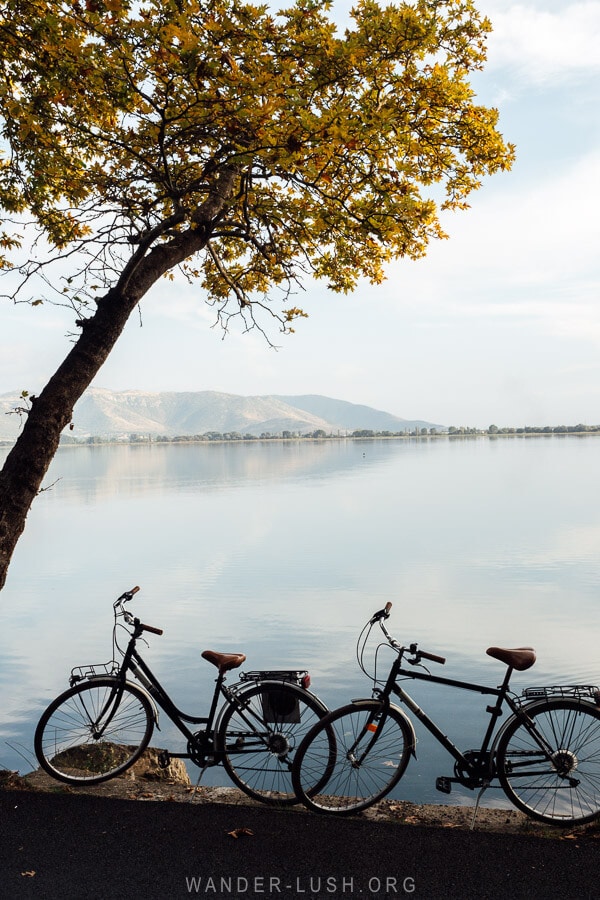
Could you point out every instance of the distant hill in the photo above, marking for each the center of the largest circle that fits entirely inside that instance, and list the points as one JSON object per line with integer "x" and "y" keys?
{"x": 352, "y": 416}
{"x": 103, "y": 413}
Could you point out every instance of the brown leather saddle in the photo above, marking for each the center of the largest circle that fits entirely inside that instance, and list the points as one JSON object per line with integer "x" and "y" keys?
{"x": 520, "y": 658}
{"x": 224, "y": 661}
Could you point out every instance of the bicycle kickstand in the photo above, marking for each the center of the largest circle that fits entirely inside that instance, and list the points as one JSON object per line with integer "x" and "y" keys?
{"x": 484, "y": 788}
{"x": 197, "y": 785}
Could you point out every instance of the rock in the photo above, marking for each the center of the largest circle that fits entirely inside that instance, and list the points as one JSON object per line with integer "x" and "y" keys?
{"x": 147, "y": 766}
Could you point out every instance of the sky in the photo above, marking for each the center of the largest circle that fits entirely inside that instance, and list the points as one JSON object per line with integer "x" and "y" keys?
{"x": 500, "y": 324}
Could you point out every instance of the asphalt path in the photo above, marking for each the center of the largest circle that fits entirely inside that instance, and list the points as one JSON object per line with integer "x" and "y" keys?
{"x": 77, "y": 847}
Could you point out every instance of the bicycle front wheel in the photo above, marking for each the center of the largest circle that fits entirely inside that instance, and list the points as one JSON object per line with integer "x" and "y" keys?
{"x": 372, "y": 751}
{"x": 91, "y": 733}
{"x": 549, "y": 763}
{"x": 259, "y": 735}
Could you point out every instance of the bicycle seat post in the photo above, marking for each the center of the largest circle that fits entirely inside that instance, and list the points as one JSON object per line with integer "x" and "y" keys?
{"x": 496, "y": 709}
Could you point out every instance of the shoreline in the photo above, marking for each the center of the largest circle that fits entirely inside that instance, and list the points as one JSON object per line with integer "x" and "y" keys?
{"x": 399, "y": 812}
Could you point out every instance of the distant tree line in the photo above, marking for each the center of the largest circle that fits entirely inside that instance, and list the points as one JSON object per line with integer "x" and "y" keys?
{"x": 320, "y": 434}
{"x": 547, "y": 429}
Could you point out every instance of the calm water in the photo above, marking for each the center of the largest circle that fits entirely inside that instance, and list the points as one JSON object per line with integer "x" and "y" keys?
{"x": 283, "y": 550}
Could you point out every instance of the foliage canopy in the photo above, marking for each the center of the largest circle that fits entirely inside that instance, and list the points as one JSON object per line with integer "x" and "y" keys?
{"x": 288, "y": 146}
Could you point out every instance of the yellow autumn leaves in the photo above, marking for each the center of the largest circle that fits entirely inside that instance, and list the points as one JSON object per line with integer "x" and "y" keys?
{"x": 134, "y": 111}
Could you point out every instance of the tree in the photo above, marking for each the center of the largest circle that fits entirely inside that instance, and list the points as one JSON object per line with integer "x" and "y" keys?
{"x": 245, "y": 147}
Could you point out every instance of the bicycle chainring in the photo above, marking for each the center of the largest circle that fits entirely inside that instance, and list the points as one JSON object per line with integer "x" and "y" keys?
{"x": 479, "y": 771}
{"x": 201, "y": 750}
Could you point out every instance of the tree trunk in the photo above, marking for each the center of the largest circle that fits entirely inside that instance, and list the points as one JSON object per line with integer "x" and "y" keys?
{"x": 28, "y": 461}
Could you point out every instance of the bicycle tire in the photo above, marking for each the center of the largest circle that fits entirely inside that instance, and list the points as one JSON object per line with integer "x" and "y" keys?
{"x": 64, "y": 740}
{"x": 353, "y": 784}
{"x": 565, "y": 788}
{"x": 258, "y": 741}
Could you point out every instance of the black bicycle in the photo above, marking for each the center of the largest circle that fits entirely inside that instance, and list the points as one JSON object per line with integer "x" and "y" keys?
{"x": 546, "y": 755}
{"x": 102, "y": 724}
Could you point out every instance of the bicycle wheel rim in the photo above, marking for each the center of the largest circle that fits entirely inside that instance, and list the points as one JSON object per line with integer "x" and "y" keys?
{"x": 372, "y": 751}
{"x": 259, "y": 743}
{"x": 564, "y": 788}
{"x": 66, "y": 746}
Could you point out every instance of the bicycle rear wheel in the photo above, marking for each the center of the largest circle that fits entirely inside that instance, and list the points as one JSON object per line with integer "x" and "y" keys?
{"x": 549, "y": 764}
{"x": 372, "y": 750}
{"x": 87, "y": 736}
{"x": 259, "y": 735}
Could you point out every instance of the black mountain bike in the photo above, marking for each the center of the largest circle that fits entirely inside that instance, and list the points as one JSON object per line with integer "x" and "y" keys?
{"x": 546, "y": 756}
{"x": 102, "y": 724}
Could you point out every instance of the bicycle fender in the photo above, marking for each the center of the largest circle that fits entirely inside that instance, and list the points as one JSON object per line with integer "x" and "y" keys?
{"x": 143, "y": 690}
{"x": 525, "y": 708}
{"x": 401, "y": 713}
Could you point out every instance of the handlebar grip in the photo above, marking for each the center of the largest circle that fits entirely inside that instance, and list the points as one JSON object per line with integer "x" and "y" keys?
{"x": 381, "y": 614}
{"x": 432, "y": 657}
{"x": 134, "y": 590}
{"x": 150, "y": 628}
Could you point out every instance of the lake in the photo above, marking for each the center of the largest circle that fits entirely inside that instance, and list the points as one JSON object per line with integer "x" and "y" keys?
{"x": 282, "y": 550}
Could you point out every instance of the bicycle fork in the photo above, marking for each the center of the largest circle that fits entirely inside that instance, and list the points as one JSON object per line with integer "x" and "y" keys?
{"x": 109, "y": 709}
{"x": 372, "y": 727}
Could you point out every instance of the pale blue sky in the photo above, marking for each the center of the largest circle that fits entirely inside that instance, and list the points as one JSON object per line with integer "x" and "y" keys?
{"x": 501, "y": 323}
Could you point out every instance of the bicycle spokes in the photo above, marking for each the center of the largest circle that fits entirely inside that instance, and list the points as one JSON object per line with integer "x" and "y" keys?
{"x": 549, "y": 763}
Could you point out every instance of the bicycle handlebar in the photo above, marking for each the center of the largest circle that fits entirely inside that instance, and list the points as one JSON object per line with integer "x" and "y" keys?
{"x": 128, "y": 594}
{"x": 432, "y": 657}
{"x": 151, "y": 628}
{"x": 418, "y": 654}
{"x": 382, "y": 614}
{"x": 125, "y": 598}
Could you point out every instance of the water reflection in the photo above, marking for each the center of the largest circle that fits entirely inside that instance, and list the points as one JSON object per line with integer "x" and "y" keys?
{"x": 93, "y": 472}
{"x": 283, "y": 550}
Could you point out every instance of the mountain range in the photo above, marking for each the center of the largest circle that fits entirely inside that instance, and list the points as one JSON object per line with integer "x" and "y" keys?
{"x": 118, "y": 414}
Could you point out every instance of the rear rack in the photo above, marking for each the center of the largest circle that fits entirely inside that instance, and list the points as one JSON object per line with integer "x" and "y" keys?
{"x": 99, "y": 670}
{"x": 277, "y": 705}
{"x": 296, "y": 676}
{"x": 572, "y": 691}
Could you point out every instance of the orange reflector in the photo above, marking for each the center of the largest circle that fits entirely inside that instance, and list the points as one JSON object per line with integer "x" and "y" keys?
{"x": 372, "y": 727}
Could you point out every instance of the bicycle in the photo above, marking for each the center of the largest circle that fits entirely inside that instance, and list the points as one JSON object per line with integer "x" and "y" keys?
{"x": 102, "y": 724}
{"x": 546, "y": 756}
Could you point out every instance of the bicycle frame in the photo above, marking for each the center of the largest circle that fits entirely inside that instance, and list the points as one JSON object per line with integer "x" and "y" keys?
{"x": 545, "y": 756}
{"x": 199, "y": 747}
{"x": 103, "y": 723}
{"x": 482, "y": 761}
{"x": 201, "y": 744}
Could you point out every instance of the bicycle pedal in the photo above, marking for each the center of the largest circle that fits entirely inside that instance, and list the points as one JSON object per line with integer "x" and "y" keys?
{"x": 164, "y": 760}
{"x": 443, "y": 784}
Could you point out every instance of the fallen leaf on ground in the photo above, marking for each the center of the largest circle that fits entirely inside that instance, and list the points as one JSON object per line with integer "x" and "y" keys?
{"x": 237, "y": 832}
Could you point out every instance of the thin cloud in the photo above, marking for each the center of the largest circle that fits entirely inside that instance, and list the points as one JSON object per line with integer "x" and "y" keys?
{"x": 535, "y": 235}
{"x": 544, "y": 45}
